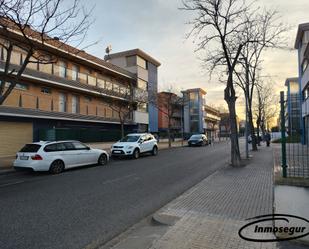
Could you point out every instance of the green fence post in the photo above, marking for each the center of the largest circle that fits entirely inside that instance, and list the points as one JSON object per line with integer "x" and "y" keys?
{"x": 283, "y": 139}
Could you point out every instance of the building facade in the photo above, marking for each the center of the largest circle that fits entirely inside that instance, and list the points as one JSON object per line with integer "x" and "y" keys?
{"x": 145, "y": 68}
{"x": 72, "y": 98}
{"x": 302, "y": 45}
{"x": 224, "y": 125}
{"x": 193, "y": 110}
{"x": 212, "y": 120}
{"x": 293, "y": 116}
{"x": 169, "y": 107}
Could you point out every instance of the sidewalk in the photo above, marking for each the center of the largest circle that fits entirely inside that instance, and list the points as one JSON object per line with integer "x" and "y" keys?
{"x": 209, "y": 215}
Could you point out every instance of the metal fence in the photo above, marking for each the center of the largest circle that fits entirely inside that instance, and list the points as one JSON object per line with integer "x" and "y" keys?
{"x": 83, "y": 135}
{"x": 294, "y": 136}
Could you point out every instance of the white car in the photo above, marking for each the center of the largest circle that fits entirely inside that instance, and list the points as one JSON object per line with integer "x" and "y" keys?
{"x": 58, "y": 156}
{"x": 135, "y": 144}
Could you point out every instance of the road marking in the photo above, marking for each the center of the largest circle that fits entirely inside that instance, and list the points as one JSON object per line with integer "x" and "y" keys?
{"x": 10, "y": 183}
{"x": 118, "y": 179}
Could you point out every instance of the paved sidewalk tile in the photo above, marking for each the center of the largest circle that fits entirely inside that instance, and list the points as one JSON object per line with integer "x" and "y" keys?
{"x": 212, "y": 212}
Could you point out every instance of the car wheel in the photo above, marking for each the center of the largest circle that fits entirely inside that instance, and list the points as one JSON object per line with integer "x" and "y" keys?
{"x": 102, "y": 160}
{"x": 136, "y": 154}
{"x": 154, "y": 151}
{"x": 56, "y": 167}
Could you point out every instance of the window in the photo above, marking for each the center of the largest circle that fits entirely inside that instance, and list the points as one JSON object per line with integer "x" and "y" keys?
{"x": 30, "y": 148}
{"x": 109, "y": 85}
{"x": 304, "y": 65}
{"x": 69, "y": 146}
{"x": 62, "y": 102}
{"x": 75, "y": 104}
{"x": 131, "y": 61}
{"x": 19, "y": 86}
{"x": 75, "y": 71}
{"x": 141, "y": 62}
{"x": 54, "y": 147}
{"x": 88, "y": 99}
{"x": 79, "y": 146}
{"x": 142, "y": 84}
{"x": 100, "y": 83}
{"x": 62, "y": 69}
{"x": 46, "y": 90}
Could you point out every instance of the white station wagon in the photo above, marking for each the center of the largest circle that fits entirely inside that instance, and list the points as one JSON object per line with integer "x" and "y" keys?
{"x": 58, "y": 156}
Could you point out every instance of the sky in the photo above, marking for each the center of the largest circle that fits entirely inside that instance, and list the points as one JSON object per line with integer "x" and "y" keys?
{"x": 159, "y": 28}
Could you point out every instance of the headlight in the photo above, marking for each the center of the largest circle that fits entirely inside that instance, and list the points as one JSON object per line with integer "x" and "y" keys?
{"x": 130, "y": 147}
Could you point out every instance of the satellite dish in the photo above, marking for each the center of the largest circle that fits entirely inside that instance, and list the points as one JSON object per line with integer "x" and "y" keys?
{"x": 108, "y": 49}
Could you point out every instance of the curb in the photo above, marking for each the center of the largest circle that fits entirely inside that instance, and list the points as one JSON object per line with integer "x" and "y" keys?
{"x": 7, "y": 171}
{"x": 165, "y": 219}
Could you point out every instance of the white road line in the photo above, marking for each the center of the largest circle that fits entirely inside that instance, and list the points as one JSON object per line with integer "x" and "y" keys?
{"x": 118, "y": 179}
{"x": 11, "y": 183}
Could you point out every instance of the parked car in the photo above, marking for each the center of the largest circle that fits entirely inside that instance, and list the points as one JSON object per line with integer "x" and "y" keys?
{"x": 198, "y": 140}
{"x": 135, "y": 144}
{"x": 58, "y": 156}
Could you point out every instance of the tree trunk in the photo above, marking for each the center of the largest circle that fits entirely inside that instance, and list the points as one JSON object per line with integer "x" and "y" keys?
{"x": 169, "y": 133}
{"x": 251, "y": 126}
{"x": 230, "y": 98}
{"x": 122, "y": 128}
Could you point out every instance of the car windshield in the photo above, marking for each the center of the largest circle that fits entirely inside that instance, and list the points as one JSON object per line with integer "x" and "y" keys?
{"x": 30, "y": 148}
{"x": 130, "y": 139}
{"x": 196, "y": 137}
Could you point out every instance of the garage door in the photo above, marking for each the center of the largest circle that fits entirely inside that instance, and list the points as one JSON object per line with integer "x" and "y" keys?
{"x": 13, "y": 135}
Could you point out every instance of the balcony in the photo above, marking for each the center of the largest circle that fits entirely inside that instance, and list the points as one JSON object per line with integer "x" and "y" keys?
{"x": 305, "y": 78}
{"x": 64, "y": 77}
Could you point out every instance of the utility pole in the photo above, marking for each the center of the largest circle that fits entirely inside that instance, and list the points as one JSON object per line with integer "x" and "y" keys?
{"x": 246, "y": 130}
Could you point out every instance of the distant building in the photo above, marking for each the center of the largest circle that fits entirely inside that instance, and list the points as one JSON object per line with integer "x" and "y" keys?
{"x": 293, "y": 116}
{"x": 211, "y": 121}
{"x": 169, "y": 106}
{"x": 302, "y": 45}
{"x": 224, "y": 126}
{"x": 194, "y": 110}
{"x": 145, "y": 68}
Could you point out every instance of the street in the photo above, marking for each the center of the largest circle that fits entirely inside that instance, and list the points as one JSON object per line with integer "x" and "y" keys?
{"x": 91, "y": 205}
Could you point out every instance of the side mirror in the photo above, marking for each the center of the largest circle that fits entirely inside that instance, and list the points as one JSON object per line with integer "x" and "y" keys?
{"x": 141, "y": 141}
{"x": 88, "y": 148}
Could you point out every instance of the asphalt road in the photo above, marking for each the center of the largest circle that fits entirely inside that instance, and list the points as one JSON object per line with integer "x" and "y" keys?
{"x": 91, "y": 205}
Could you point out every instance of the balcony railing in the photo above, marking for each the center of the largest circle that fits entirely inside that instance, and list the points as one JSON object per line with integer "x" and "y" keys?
{"x": 65, "y": 75}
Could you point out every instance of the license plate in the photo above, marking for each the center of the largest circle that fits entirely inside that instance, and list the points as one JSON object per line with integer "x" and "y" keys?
{"x": 23, "y": 157}
{"x": 116, "y": 151}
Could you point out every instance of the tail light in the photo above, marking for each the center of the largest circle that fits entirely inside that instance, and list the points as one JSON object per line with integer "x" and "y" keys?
{"x": 16, "y": 156}
{"x": 36, "y": 157}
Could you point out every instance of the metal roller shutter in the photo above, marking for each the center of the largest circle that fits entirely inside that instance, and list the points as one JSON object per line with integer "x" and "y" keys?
{"x": 13, "y": 135}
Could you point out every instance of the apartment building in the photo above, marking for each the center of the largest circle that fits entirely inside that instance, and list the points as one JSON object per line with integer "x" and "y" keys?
{"x": 302, "y": 45}
{"x": 212, "y": 119}
{"x": 72, "y": 98}
{"x": 293, "y": 116}
{"x": 169, "y": 107}
{"x": 145, "y": 68}
{"x": 193, "y": 110}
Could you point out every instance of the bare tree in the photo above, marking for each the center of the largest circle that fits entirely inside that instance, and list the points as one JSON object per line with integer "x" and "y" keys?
{"x": 266, "y": 107}
{"x": 28, "y": 25}
{"x": 219, "y": 27}
{"x": 125, "y": 106}
{"x": 266, "y": 32}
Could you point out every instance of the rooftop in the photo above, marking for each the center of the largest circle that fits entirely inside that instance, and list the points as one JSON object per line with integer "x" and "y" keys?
{"x": 195, "y": 90}
{"x": 135, "y": 51}
{"x": 293, "y": 79}
{"x": 301, "y": 29}
{"x": 50, "y": 43}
